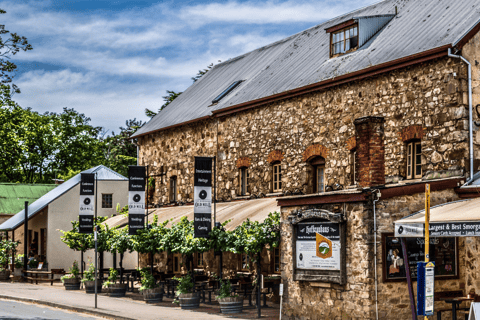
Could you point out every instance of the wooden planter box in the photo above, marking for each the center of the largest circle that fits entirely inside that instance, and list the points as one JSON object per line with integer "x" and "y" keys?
{"x": 231, "y": 304}
{"x": 117, "y": 290}
{"x": 5, "y": 275}
{"x": 90, "y": 286}
{"x": 72, "y": 284}
{"x": 153, "y": 295}
{"x": 189, "y": 300}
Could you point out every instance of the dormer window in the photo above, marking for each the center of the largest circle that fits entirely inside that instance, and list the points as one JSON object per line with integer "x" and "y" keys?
{"x": 344, "y": 40}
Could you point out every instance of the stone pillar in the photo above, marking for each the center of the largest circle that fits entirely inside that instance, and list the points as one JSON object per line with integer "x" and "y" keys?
{"x": 370, "y": 156}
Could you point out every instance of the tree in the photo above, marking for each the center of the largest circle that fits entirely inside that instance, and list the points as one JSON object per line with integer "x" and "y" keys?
{"x": 119, "y": 242}
{"x": 10, "y": 45}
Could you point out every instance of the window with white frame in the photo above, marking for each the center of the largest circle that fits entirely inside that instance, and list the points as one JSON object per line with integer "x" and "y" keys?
{"x": 414, "y": 160}
{"x": 344, "y": 40}
{"x": 277, "y": 177}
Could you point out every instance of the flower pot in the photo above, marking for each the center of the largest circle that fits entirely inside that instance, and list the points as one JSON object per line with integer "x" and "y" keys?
{"x": 231, "y": 304}
{"x": 71, "y": 283}
{"x": 189, "y": 300}
{"x": 117, "y": 290}
{"x": 5, "y": 275}
{"x": 17, "y": 272}
{"x": 90, "y": 286}
{"x": 153, "y": 295}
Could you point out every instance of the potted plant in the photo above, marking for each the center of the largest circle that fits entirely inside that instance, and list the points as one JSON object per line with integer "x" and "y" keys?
{"x": 229, "y": 302}
{"x": 7, "y": 249}
{"x": 152, "y": 293}
{"x": 89, "y": 280}
{"x": 18, "y": 265}
{"x": 71, "y": 281}
{"x": 187, "y": 298}
{"x": 114, "y": 289}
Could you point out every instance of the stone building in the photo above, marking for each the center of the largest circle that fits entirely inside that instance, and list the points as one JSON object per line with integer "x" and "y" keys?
{"x": 346, "y": 119}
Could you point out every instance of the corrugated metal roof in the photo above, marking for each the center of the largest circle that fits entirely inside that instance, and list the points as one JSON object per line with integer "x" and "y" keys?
{"x": 14, "y": 195}
{"x": 303, "y": 58}
{"x": 236, "y": 211}
{"x": 103, "y": 173}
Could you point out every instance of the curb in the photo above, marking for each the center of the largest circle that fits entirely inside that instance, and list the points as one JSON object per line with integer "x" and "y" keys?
{"x": 66, "y": 307}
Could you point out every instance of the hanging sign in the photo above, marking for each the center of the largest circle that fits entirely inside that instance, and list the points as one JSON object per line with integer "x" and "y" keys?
{"x": 318, "y": 246}
{"x": 87, "y": 202}
{"x": 202, "y": 188}
{"x": 136, "y": 198}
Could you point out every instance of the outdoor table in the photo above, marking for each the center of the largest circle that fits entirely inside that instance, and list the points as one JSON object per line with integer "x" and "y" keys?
{"x": 36, "y": 278}
{"x": 455, "y": 303}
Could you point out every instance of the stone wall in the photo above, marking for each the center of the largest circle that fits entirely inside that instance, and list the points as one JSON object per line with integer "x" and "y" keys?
{"x": 427, "y": 95}
{"x": 356, "y": 299}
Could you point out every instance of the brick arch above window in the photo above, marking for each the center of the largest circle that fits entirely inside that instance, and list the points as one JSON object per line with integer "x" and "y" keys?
{"x": 351, "y": 143}
{"x": 315, "y": 150}
{"x": 243, "y": 162}
{"x": 411, "y": 132}
{"x": 275, "y": 156}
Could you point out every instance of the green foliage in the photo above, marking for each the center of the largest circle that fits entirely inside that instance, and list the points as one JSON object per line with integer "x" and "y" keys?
{"x": 9, "y": 46}
{"x": 171, "y": 95}
{"x": 89, "y": 274}
{"x": 73, "y": 272}
{"x": 19, "y": 261}
{"x": 180, "y": 239}
{"x": 82, "y": 242}
{"x": 70, "y": 174}
{"x": 151, "y": 239}
{"x": 7, "y": 249}
{"x": 112, "y": 277}
{"x": 148, "y": 281}
{"x": 185, "y": 284}
{"x": 33, "y": 263}
{"x": 225, "y": 290}
{"x": 120, "y": 241}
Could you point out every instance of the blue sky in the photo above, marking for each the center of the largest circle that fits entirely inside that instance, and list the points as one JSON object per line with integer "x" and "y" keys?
{"x": 111, "y": 59}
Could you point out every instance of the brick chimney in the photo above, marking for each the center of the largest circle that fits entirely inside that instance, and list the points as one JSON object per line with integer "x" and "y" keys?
{"x": 370, "y": 156}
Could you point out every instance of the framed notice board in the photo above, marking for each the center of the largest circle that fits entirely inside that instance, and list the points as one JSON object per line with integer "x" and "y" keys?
{"x": 443, "y": 251}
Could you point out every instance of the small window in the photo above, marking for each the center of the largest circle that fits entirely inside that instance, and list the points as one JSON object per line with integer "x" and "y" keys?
{"x": 353, "y": 166}
{"x": 276, "y": 260}
{"x": 244, "y": 181}
{"x": 344, "y": 40}
{"x": 176, "y": 262}
{"x": 173, "y": 189}
{"x": 226, "y": 91}
{"x": 318, "y": 164}
{"x": 107, "y": 201}
{"x": 414, "y": 160}
{"x": 245, "y": 262}
{"x": 200, "y": 262}
{"x": 277, "y": 177}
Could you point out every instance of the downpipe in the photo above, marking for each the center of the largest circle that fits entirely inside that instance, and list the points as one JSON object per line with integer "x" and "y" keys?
{"x": 470, "y": 112}
{"x": 377, "y": 196}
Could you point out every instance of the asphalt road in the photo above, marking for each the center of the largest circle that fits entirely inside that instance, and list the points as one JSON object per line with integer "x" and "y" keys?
{"x": 14, "y": 310}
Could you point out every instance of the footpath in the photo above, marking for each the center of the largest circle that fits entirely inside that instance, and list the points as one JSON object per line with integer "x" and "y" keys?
{"x": 111, "y": 308}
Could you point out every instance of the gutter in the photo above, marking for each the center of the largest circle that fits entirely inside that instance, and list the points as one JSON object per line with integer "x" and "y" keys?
{"x": 470, "y": 115}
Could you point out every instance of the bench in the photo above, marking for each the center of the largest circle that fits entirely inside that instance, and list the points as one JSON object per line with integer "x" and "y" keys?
{"x": 33, "y": 275}
{"x": 438, "y": 296}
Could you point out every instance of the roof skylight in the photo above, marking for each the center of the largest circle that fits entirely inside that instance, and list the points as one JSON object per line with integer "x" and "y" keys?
{"x": 226, "y": 91}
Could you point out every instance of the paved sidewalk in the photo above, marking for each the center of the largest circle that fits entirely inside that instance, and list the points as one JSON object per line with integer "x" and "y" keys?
{"x": 78, "y": 301}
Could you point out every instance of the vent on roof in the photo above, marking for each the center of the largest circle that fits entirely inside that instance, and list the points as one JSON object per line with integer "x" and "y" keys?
{"x": 226, "y": 91}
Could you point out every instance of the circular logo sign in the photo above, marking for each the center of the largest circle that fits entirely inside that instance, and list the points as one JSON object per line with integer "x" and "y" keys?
{"x": 300, "y": 257}
{"x": 400, "y": 230}
{"x": 203, "y": 194}
{"x": 137, "y": 198}
{"x": 86, "y": 201}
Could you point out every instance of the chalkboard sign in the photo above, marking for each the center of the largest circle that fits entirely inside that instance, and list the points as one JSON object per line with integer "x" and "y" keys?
{"x": 443, "y": 251}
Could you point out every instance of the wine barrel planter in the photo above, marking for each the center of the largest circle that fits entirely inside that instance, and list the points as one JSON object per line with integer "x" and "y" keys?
{"x": 231, "y": 304}
{"x": 189, "y": 300}
{"x": 17, "y": 272}
{"x": 117, "y": 290}
{"x": 5, "y": 275}
{"x": 90, "y": 286}
{"x": 153, "y": 295}
{"x": 72, "y": 284}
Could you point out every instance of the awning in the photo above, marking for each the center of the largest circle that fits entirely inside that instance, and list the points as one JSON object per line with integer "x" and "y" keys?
{"x": 236, "y": 211}
{"x": 453, "y": 219}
